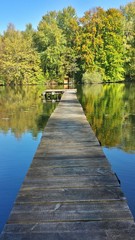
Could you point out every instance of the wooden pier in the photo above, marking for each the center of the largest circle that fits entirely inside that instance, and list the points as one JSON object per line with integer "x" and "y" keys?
{"x": 70, "y": 191}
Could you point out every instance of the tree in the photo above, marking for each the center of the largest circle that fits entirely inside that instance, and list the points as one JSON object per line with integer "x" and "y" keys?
{"x": 50, "y": 43}
{"x": 101, "y": 47}
{"x": 19, "y": 62}
{"x": 57, "y": 57}
{"x": 68, "y": 22}
{"x": 114, "y": 47}
{"x": 129, "y": 33}
{"x": 92, "y": 43}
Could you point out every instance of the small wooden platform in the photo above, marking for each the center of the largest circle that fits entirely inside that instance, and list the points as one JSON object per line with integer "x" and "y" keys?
{"x": 53, "y": 94}
{"x": 70, "y": 191}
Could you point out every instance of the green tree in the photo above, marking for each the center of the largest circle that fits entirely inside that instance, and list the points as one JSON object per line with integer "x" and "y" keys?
{"x": 92, "y": 51}
{"x": 129, "y": 33}
{"x": 68, "y": 22}
{"x": 101, "y": 47}
{"x": 54, "y": 41}
{"x": 19, "y": 61}
{"x": 114, "y": 47}
{"x": 50, "y": 43}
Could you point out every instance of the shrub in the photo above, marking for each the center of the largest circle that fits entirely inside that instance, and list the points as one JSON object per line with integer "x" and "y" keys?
{"x": 92, "y": 77}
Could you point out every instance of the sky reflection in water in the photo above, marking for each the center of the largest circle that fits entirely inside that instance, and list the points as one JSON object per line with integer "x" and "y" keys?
{"x": 16, "y": 156}
{"x": 123, "y": 164}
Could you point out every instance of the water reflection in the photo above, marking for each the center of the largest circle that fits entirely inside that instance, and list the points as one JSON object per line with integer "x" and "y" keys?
{"x": 123, "y": 163}
{"x": 110, "y": 109}
{"x": 23, "y": 116}
{"x": 21, "y": 110}
{"x": 111, "y": 113}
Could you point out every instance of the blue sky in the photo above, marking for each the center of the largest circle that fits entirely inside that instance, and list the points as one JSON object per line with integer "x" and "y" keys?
{"x": 23, "y": 12}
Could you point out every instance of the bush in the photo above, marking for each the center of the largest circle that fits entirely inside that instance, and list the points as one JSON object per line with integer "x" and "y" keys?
{"x": 92, "y": 77}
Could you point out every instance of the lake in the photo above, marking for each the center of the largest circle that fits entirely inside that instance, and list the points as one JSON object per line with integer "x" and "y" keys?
{"x": 109, "y": 108}
{"x": 23, "y": 115}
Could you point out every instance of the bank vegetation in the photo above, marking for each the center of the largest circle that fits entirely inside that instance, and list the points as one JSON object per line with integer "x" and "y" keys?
{"x": 97, "y": 47}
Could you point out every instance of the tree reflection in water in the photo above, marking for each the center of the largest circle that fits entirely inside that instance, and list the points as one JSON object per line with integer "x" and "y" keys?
{"x": 110, "y": 109}
{"x": 23, "y": 116}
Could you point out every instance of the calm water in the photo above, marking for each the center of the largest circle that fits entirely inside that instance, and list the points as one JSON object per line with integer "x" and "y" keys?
{"x": 23, "y": 116}
{"x": 110, "y": 110}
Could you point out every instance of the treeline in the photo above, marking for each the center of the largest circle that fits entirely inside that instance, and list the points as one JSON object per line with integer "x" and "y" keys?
{"x": 100, "y": 46}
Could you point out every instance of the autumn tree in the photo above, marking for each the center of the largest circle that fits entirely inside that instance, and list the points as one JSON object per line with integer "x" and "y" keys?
{"x": 114, "y": 45}
{"x": 102, "y": 43}
{"x": 19, "y": 61}
{"x": 92, "y": 42}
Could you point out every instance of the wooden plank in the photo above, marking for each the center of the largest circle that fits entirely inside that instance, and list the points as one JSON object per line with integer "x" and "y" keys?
{"x": 69, "y": 182}
{"x": 68, "y": 162}
{"x": 92, "y": 152}
{"x": 95, "y": 230}
{"x": 68, "y": 171}
{"x": 73, "y": 226}
{"x": 108, "y": 193}
{"x": 70, "y": 191}
{"x": 99, "y": 211}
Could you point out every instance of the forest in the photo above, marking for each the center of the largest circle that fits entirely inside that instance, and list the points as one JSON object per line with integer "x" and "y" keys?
{"x": 97, "y": 47}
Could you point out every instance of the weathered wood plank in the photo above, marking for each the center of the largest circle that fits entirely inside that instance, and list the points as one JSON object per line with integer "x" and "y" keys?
{"x": 92, "y": 152}
{"x": 75, "y": 226}
{"x": 68, "y": 171}
{"x": 88, "y": 233}
{"x": 92, "y": 235}
{"x": 62, "y": 212}
{"x": 53, "y": 162}
{"x": 70, "y": 195}
{"x": 69, "y": 182}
